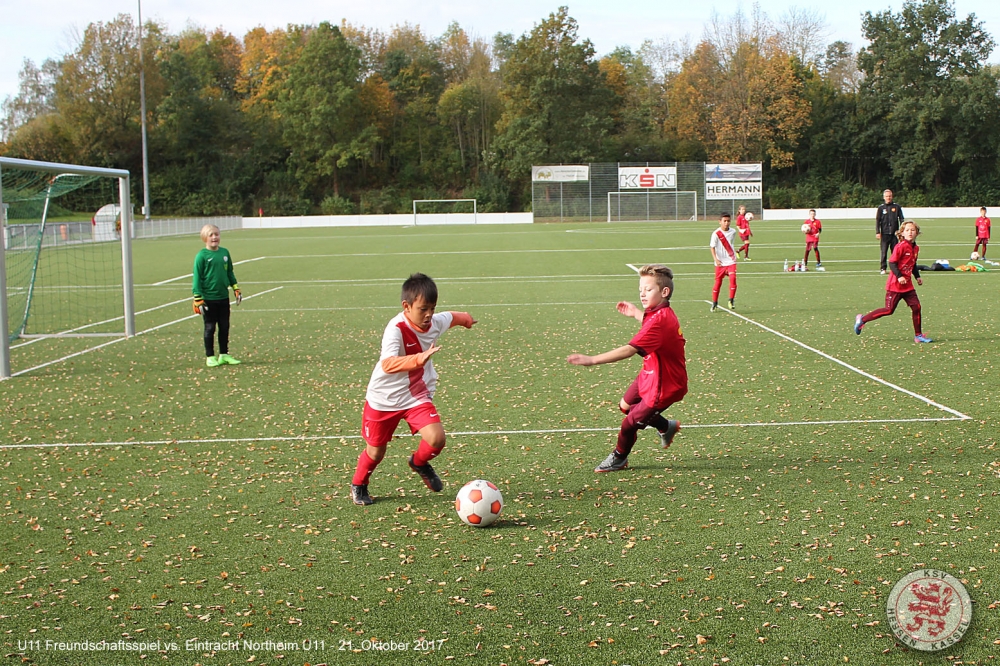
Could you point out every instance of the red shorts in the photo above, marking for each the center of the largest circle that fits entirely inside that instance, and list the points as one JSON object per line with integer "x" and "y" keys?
{"x": 378, "y": 427}
{"x": 811, "y": 245}
{"x": 744, "y": 236}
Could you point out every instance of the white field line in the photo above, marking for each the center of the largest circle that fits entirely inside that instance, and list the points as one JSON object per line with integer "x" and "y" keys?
{"x": 959, "y": 415}
{"x": 468, "y": 433}
{"x": 122, "y": 339}
{"x": 181, "y": 277}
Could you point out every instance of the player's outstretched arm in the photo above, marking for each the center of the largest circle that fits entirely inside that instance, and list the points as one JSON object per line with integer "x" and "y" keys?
{"x": 629, "y": 310}
{"x": 462, "y": 319}
{"x": 607, "y": 357}
{"x": 393, "y": 364}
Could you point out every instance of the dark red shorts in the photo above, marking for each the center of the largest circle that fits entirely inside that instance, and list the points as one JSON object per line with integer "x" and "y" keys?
{"x": 811, "y": 245}
{"x": 378, "y": 427}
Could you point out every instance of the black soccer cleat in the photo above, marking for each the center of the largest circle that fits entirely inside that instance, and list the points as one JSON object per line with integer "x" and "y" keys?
{"x": 666, "y": 438}
{"x": 360, "y": 496}
{"x": 427, "y": 473}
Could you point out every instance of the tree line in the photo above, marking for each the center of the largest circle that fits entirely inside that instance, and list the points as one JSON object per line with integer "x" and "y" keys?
{"x": 342, "y": 119}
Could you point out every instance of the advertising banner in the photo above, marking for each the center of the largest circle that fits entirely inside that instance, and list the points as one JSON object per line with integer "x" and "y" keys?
{"x": 563, "y": 173}
{"x": 647, "y": 178}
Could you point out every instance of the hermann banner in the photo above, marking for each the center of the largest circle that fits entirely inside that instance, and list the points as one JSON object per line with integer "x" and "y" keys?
{"x": 733, "y": 181}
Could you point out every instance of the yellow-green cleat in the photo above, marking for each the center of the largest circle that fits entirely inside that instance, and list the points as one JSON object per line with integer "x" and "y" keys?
{"x": 226, "y": 359}
{"x": 212, "y": 362}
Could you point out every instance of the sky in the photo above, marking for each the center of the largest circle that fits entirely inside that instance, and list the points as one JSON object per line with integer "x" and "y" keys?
{"x": 41, "y": 29}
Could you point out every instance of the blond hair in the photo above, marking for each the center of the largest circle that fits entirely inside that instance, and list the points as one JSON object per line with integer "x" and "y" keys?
{"x": 899, "y": 233}
{"x": 664, "y": 276}
{"x": 206, "y": 230}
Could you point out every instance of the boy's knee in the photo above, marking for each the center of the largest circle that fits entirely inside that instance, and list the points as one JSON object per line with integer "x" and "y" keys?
{"x": 436, "y": 440}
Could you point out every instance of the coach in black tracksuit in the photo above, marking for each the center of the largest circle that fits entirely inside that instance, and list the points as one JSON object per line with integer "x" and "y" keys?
{"x": 887, "y": 221}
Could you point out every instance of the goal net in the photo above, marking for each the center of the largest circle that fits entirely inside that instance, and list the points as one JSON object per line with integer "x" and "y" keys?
{"x": 66, "y": 263}
{"x": 444, "y": 211}
{"x": 652, "y": 206}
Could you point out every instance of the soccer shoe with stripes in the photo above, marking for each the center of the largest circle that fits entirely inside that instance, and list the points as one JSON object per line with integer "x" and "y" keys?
{"x": 427, "y": 473}
{"x": 360, "y": 496}
{"x": 226, "y": 359}
{"x": 212, "y": 362}
{"x": 612, "y": 463}
{"x": 667, "y": 437}
{"x": 858, "y": 325}
{"x": 921, "y": 338}
{"x": 732, "y": 303}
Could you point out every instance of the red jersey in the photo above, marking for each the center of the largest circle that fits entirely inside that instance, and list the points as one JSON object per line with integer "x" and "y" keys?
{"x": 663, "y": 378}
{"x": 743, "y": 226}
{"x": 817, "y": 227}
{"x": 904, "y": 255}
{"x": 983, "y": 227}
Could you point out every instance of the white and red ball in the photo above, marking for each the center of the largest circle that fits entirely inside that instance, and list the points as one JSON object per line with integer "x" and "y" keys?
{"x": 748, "y": 217}
{"x": 807, "y": 228}
{"x": 479, "y": 503}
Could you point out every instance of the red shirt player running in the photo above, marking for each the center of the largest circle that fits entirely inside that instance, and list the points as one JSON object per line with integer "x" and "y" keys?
{"x": 899, "y": 285}
{"x": 663, "y": 378}
{"x": 982, "y": 233}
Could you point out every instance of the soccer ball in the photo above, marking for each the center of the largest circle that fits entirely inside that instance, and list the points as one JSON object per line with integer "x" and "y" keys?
{"x": 479, "y": 503}
{"x": 748, "y": 217}
{"x": 974, "y": 257}
{"x": 806, "y": 228}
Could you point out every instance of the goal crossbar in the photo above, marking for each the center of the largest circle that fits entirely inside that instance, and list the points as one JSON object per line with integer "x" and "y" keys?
{"x": 124, "y": 201}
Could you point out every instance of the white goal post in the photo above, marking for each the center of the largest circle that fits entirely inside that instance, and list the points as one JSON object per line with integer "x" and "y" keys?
{"x": 34, "y": 181}
{"x": 435, "y": 211}
{"x": 652, "y": 206}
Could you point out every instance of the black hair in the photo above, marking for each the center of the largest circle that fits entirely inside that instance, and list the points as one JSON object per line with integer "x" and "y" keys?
{"x": 419, "y": 285}
{"x": 725, "y": 215}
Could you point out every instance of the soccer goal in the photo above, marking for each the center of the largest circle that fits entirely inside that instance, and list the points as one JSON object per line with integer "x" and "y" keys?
{"x": 444, "y": 211}
{"x": 652, "y": 206}
{"x": 66, "y": 265}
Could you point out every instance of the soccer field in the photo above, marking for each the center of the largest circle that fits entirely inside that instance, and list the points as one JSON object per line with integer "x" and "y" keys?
{"x": 148, "y": 499}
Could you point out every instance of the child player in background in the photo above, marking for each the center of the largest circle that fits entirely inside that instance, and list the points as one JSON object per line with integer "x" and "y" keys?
{"x": 982, "y": 233}
{"x": 724, "y": 256}
{"x": 402, "y": 386}
{"x": 211, "y": 278}
{"x": 662, "y": 381}
{"x": 899, "y": 285}
{"x": 812, "y": 239}
{"x": 743, "y": 227}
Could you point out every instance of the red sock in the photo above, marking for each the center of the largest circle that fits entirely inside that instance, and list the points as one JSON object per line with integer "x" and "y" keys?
{"x": 424, "y": 453}
{"x": 364, "y": 470}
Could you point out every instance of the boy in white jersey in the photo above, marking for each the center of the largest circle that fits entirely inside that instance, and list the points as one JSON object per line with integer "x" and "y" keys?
{"x": 724, "y": 257}
{"x": 402, "y": 386}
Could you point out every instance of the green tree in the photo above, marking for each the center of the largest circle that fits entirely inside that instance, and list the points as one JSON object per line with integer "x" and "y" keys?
{"x": 320, "y": 110}
{"x": 928, "y": 102}
{"x": 557, "y": 106}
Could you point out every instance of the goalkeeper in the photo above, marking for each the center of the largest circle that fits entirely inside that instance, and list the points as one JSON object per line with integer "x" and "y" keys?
{"x": 213, "y": 275}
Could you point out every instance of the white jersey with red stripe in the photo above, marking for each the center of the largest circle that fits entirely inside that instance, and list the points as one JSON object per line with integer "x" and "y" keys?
{"x": 726, "y": 256}
{"x": 388, "y": 392}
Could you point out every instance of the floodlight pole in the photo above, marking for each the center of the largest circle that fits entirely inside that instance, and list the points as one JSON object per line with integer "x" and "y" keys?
{"x": 142, "y": 110}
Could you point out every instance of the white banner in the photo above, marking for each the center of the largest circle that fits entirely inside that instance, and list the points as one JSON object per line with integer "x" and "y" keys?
{"x": 564, "y": 173}
{"x": 733, "y": 172}
{"x": 647, "y": 178}
{"x": 715, "y": 191}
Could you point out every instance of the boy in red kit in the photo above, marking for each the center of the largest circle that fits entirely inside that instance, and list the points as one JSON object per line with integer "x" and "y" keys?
{"x": 982, "y": 233}
{"x": 724, "y": 256}
{"x": 812, "y": 239}
{"x": 743, "y": 227}
{"x": 402, "y": 386}
{"x": 899, "y": 285}
{"x": 663, "y": 378}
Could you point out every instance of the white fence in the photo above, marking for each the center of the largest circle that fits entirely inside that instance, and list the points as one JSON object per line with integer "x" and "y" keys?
{"x": 182, "y": 226}
{"x": 970, "y": 212}
{"x": 404, "y": 220}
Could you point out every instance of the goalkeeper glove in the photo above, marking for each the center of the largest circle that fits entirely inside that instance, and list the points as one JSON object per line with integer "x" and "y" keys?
{"x": 239, "y": 295}
{"x": 198, "y": 305}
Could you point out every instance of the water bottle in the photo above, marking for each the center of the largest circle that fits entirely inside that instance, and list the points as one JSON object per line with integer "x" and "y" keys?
{"x": 785, "y": 269}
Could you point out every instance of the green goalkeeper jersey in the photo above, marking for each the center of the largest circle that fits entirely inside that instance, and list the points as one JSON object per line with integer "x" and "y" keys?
{"x": 213, "y": 274}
